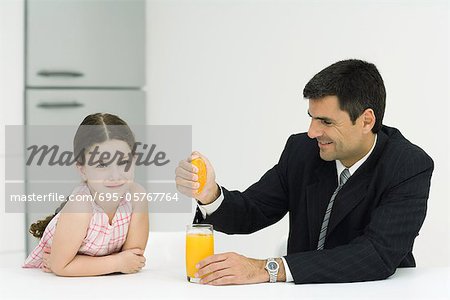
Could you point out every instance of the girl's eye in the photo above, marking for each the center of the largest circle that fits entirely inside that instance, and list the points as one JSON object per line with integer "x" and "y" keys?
{"x": 102, "y": 165}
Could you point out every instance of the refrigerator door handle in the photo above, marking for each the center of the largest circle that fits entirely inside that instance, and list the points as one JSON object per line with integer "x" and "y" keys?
{"x": 60, "y": 73}
{"x": 61, "y": 104}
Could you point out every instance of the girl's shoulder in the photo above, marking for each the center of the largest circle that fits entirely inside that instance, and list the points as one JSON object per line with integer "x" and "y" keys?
{"x": 75, "y": 215}
{"x": 138, "y": 206}
{"x": 81, "y": 207}
{"x": 79, "y": 204}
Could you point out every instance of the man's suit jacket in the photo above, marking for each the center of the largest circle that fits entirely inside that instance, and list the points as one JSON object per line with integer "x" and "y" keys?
{"x": 375, "y": 217}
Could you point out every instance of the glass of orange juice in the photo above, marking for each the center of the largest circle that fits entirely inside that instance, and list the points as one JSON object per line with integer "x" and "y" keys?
{"x": 199, "y": 245}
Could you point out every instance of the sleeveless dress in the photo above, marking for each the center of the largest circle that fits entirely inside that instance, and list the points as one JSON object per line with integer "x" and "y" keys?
{"x": 101, "y": 237}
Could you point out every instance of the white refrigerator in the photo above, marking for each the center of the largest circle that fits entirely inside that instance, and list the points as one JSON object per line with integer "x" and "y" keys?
{"x": 82, "y": 57}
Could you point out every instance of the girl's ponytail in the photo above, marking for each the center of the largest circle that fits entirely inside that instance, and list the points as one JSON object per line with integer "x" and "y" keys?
{"x": 37, "y": 229}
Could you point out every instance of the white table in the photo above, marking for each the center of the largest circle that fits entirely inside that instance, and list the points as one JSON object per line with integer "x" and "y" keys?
{"x": 170, "y": 283}
{"x": 164, "y": 278}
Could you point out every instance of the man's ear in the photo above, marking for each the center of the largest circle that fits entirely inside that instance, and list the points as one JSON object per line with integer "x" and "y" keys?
{"x": 368, "y": 120}
{"x": 82, "y": 171}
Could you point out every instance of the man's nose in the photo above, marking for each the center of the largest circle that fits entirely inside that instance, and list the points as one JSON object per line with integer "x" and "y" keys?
{"x": 315, "y": 129}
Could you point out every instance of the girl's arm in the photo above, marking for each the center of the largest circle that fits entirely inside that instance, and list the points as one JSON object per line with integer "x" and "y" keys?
{"x": 69, "y": 234}
{"x": 138, "y": 229}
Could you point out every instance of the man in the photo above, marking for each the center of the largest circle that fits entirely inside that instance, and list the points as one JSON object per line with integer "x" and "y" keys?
{"x": 356, "y": 191}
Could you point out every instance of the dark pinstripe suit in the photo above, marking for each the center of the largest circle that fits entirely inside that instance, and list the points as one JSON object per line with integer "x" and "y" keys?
{"x": 375, "y": 218}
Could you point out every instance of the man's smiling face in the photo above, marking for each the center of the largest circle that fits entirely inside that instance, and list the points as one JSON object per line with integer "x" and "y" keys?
{"x": 338, "y": 138}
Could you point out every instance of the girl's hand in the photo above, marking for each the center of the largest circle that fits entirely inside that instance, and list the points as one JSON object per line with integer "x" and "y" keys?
{"x": 46, "y": 260}
{"x": 131, "y": 260}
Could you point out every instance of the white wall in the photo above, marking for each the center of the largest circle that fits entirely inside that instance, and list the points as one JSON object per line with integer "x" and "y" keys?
{"x": 12, "y": 247}
{"x": 235, "y": 70}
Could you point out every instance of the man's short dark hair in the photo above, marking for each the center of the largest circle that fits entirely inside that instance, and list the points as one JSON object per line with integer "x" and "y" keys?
{"x": 357, "y": 84}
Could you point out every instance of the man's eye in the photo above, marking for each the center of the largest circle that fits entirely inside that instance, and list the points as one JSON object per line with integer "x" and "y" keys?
{"x": 326, "y": 122}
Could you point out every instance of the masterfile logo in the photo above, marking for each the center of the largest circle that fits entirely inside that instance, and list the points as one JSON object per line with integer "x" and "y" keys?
{"x": 42, "y": 164}
{"x": 53, "y": 156}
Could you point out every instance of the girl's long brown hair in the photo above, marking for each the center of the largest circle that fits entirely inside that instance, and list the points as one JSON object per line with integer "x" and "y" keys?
{"x": 85, "y": 137}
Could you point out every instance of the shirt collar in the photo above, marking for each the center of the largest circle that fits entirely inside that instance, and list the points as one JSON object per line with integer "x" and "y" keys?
{"x": 340, "y": 167}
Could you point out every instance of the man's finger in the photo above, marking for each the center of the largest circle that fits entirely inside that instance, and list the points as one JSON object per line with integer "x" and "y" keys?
{"x": 216, "y": 275}
{"x": 211, "y": 259}
{"x": 225, "y": 280}
{"x": 213, "y": 267}
{"x": 187, "y": 183}
{"x": 186, "y": 165}
{"x": 194, "y": 155}
{"x": 184, "y": 174}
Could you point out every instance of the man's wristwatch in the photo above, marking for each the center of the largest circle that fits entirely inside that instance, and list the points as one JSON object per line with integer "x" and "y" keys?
{"x": 272, "y": 268}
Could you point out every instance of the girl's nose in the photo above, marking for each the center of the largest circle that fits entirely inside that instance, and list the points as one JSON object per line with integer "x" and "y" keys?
{"x": 115, "y": 172}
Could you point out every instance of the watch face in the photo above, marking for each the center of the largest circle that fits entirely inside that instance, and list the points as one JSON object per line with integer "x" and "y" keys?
{"x": 272, "y": 266}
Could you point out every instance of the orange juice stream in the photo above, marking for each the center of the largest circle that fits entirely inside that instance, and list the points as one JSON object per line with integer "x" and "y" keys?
{"x": 198, "y": 247}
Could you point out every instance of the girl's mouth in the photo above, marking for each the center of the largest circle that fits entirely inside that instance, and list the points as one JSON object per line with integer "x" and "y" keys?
{"x": 116, "y": 185}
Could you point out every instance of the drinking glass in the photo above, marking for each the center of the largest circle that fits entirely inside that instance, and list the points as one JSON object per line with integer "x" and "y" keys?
{"x": 199, "y": 245}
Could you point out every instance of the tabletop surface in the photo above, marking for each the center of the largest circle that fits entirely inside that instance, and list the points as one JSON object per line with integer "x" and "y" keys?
{"x": 170, "y": 283}
{"x": 164, "y": 277}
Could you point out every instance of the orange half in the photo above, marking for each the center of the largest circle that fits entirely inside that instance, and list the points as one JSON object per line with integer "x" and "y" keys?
{"x": 200, "y": 164}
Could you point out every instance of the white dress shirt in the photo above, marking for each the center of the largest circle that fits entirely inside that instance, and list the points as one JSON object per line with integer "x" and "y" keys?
{"x": 208, "y": 209}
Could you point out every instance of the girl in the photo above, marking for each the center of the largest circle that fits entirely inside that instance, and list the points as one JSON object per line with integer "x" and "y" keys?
{"x": 109, "y": 233}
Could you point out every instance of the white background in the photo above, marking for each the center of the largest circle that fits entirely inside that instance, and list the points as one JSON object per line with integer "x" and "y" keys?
{"x": 235, "y": 70}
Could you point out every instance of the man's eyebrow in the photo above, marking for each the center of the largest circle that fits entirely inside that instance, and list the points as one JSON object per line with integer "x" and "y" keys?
{"x": 321, "y": 118}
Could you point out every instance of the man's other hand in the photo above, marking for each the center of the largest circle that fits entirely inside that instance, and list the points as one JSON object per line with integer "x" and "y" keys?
{"x": 232, "y": 268}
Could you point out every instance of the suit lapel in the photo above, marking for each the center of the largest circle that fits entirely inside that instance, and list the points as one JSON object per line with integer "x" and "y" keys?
{"x": 354, "y": 190}
{"x": 318, "y": 194}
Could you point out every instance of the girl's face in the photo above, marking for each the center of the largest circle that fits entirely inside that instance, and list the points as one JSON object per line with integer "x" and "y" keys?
{"x": 108, "y": 168}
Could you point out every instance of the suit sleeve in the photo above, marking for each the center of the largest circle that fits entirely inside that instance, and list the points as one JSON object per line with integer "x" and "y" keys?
{"x": 262, "y": 204}
{"x": 387, "y": 239}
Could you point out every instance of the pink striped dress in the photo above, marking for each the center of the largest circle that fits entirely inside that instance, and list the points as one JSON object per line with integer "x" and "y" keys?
{"x": 101, "y": 237}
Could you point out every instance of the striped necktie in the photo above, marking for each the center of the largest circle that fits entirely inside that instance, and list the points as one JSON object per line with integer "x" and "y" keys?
{"x": 323, "y": 230}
